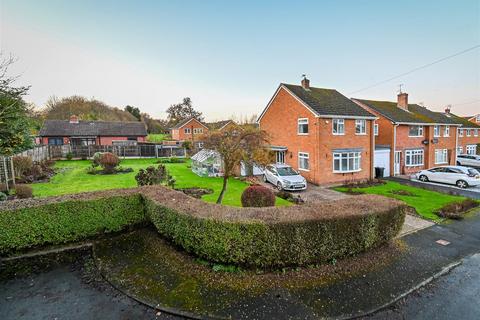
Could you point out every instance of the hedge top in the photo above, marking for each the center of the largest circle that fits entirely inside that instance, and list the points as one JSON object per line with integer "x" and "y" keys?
{"x": 348, "y": 207}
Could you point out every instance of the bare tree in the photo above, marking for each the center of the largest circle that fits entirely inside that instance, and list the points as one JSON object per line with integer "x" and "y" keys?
{"x": 237, "y": 144}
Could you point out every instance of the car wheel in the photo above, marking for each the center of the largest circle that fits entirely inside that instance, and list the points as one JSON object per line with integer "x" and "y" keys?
{"x": 265, "y": 178}
{"x": 423, "y": 178}
{"x": 279, "y": 186}
{"x": 462, "y": 184}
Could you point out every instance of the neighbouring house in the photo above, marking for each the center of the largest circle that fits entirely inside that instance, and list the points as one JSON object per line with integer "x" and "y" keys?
{"x": 475, "y": 118}
{"x": 221, "y": 125}
{"x": 190, "y": 130}
{"x": 319, "y": 132}
{"x": 468, "y": 134}
{"x": 417, "y": 137}
{"x": 83, "y": 133}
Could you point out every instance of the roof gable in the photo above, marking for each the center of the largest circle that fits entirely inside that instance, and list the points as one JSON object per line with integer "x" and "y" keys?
{"x": 415, "y": 113}
{"x": 187, "y": 121}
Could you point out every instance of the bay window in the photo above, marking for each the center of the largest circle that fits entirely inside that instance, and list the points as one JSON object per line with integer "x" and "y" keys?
{"x": 346, "y": 161}
{"x": 414, "y": 157}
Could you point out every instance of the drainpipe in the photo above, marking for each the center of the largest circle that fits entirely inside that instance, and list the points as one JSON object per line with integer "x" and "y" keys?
{"x": 456, "y": 146}
{"x": 372, "y": 149}
{"x": 394, "y": 149}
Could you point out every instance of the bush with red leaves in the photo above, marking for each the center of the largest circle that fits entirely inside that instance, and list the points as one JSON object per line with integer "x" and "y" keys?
{"x": 109, "y": 162}
{"x": 258, "y": 196}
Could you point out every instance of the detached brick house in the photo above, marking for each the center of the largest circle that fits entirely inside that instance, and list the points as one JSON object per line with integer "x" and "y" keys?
{"x": 417, "y": 137}
{"x": 468, "y": 134}
{"x": 189, "y": 130}
{"x": 475, "y": 119}
{"x": 78, "y": 132}
{"x": 319, "y": 132}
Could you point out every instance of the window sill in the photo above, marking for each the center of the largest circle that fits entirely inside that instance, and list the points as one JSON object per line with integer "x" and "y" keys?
{"x": 306, "y": 170}
{"x": 441, "y": 162}
{"x": 302, "y": 134}
{"x": 338, "y": 134}
{"x": 351, "y": 171}
{"x": 415, "y": 136}
{"x": 414, "y": 165}
{"x": 360, "y": 134}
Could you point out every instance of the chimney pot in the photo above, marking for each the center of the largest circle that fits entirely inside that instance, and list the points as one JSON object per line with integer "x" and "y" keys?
{"x": 305, "y": 83}
{"x": 402, "y": 101}
{"x": 447, "y": 110}
{"x": 73, "y": 119}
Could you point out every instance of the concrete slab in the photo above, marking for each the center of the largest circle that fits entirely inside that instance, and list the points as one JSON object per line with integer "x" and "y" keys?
{"x": 414, "y": 224}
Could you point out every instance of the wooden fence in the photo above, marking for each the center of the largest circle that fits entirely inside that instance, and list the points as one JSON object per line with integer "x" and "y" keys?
{"x": 123, "y": 151}
{"x": 7, "y": 173}
{"x": 37, "y": 153}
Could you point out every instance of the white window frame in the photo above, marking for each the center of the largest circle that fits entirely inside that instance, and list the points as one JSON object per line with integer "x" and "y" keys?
{"x": 436, "y": 131}
{"x": 468, "y": 132}
{"x": 441, "y": 156}
{"x": 459, "y": 150}
{"x": 362, "y": 125}
{"x": 200, "y": 145}
{"x": 356, "y": 157}
{"x": 302, "y": 122}
{"x": 375, "y": 129}
{"x": 475, "y": 133}
{"x": 414, "y": 154}
{"x": 338, "y": 123}
{"x": 460, "y": 132}
{"x": 419, "y": 131}
{"x": 304, "y": 156}
{"x": 187, "y": 130}
{"x": 471, "y": 149}
{"x": 197, "y": 130}
{"x": 446, "y": 131}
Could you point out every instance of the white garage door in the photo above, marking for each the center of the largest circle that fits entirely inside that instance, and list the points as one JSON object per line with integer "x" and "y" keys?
{"x": 382, "y": 160}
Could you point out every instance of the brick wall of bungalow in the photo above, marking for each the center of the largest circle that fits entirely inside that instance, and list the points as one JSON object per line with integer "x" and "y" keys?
{"x": 98, "y": 140}
{"x": 280, "y": 121}
{"x": 180, "y": 135}
{"x": 403, "y": 142}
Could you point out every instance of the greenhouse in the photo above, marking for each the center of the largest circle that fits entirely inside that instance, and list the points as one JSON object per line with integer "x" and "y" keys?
{"x": 207, "y": 163}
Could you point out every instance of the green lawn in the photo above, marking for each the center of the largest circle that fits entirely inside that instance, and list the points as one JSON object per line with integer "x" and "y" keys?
{"x": 424, "y": 201}
{"x": 72, "y": 178}
{"x": 157, "y": 137}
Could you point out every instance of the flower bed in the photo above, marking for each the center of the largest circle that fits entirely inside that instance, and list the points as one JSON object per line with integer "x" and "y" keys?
{"x": 263, "y": 237}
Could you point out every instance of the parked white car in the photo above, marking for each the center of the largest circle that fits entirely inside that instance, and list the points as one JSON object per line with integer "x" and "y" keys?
{"x": 468, "y": 160}
{"x": 462, "y": 177}
{"x": 284, "y": 177}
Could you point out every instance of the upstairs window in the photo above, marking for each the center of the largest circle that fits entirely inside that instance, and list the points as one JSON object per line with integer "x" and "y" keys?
{"x": 338, "y": 126}
{"x": 468, "y": 132}
{"x": 375, "y": 129}
{"x": 460, "y": 132}
{"x": 436, "y": 131}
{"x": 187, "y": 130}
{"x": 446, "y": 131}
{"x": 197, "y": 130}
{"x": 475, "y": 132}
{"x": 415, "y": 131}
{"x": 360, "y": 127}
{"x": 302, "y": 126}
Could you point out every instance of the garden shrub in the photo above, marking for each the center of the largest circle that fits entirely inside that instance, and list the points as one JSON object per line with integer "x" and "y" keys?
{"x": 456, "y": 210}
{"x": 109, "y": 161}
{"x": 23, "y": 191}
{"x": 258, "y": 196}
{"x": 3, "y": 196}
{"x": 69, "y": 156}
{"x": 65, "y": 219}
{"x": 22, "y": 165}
{"x": 171, "y": 160}
{"x": 152, "y": 176}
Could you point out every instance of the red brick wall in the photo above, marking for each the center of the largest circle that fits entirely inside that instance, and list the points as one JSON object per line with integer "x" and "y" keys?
{"x": 464, "y": 141}
{"x": 179, "y": 134}
{"x": 99, "y": 140}
{"x": 280, "y": 122}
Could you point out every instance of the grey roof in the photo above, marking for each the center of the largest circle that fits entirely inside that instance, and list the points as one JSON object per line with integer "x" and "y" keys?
{"x": 463, "y": 121}
{"x": 328, "y": 102}
{"x": 63, "y": 128}
{"x": 218, "y": 124}
{"x": 184, "y": 122}
{"x": 415, "y": 113}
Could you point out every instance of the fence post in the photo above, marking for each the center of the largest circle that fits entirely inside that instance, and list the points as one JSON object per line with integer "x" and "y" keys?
{"x": 13, "y": 171}
{"x": 6, "y": 173}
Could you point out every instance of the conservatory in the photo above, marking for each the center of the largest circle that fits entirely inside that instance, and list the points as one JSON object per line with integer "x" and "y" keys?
{"x": 207, "y": 163}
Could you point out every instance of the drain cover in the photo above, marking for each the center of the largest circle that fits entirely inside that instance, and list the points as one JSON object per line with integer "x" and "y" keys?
{"x": 443, "y": 242}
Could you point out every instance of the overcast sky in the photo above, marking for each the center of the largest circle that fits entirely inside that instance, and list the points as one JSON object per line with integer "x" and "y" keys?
{"x": 229, "y": 57}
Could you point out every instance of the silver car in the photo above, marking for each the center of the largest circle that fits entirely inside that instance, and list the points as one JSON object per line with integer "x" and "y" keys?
{"x": 284, "y": 177}
{"x": 462, "y": 177}
{"x": 468, "y": 160}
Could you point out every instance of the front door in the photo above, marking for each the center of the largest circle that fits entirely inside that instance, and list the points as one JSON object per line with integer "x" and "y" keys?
{"x": 396, "y": 162}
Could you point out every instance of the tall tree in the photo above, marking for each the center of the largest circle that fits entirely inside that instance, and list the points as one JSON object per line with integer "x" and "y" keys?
{"x": 237, "y": 144}
{"x": 14, "y": 113}
{"x": 181, "y": 111}
{"x": 134, "y": 111}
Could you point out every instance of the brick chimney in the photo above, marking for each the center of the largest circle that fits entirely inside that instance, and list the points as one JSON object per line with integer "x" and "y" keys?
{"x": 447, "y": 110}
{"x": 73, "y": 119}
{"x": 402, "y": 101}
{"x": 305, "y": 83}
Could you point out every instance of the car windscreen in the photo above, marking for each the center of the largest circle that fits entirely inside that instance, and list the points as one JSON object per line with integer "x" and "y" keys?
{"x": 286, "y": 171}
{"x": 473, "y": 172}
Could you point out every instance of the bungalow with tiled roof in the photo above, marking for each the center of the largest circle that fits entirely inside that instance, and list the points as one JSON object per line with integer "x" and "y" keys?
{"x": 419, "y": 138}
{"x": 78, "y": 132}
{"x": 320, "y": 132}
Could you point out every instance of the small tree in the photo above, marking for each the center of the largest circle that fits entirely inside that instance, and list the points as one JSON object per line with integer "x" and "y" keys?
{"x": 237, "y": 144}
{"x": 109, "y": 162}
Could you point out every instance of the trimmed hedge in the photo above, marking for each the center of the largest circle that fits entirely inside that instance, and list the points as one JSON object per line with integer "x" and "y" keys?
{"x": 262, "y": 237}
{"x": 71, "y": 220}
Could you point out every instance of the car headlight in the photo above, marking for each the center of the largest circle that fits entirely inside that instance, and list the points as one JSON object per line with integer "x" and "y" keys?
{"x": 286, "y": 182}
